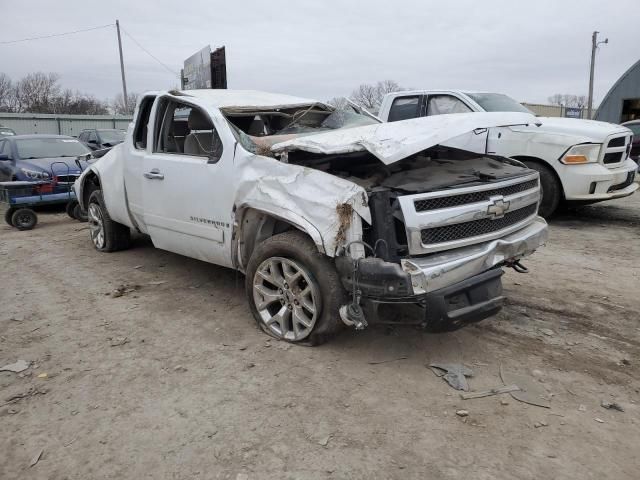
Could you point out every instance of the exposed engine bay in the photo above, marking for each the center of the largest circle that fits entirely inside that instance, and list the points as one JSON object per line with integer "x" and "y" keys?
{"x": 436, "y": 169}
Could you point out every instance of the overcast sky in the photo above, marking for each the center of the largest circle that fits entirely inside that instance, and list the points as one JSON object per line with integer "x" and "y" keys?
{"x": 325, "y": 48}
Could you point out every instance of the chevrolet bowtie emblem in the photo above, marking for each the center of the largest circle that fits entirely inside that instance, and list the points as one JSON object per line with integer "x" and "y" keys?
{"x": 497, "y": 208}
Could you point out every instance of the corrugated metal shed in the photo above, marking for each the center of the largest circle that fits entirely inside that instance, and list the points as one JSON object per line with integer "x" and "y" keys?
{"x": 25, "y": 123}
{"x": 627, "y": 88}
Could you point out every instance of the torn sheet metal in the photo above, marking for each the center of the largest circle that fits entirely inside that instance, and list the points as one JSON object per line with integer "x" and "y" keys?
{"x": 454, "y": 374}
{"x": 530, "y": 392}
{"x": 309, "y": 198}
{"x": 391, "y": 142}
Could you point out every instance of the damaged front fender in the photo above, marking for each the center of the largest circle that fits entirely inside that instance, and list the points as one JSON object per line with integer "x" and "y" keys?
{"x": 310, "y": 199}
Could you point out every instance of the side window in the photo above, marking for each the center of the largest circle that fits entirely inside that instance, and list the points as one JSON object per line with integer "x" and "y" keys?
{"x": 443, "y": 104}
{"x": 404, "y": 108}
{"x": 183, "y": 129}
{"x": 5, "y": 149}
{"x": 142, "y": 123}
{"x": 93, "y": 137}
{"x": 82, "y": 137}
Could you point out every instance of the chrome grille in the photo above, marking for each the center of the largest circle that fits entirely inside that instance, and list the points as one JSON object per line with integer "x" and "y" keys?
{"x": 472, "y": 197}
{"x": 450, "y": 233}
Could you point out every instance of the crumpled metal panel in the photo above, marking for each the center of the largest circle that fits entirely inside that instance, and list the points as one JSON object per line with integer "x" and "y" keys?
{"x": 304, "y": 196}
{"x": 391, "y": 142}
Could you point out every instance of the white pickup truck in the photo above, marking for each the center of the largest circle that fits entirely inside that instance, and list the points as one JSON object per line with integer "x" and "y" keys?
{"x": 580, "y": 161}
{"x": 331, "y": 216}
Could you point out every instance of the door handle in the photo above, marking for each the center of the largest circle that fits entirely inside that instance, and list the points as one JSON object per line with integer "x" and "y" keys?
{"x": 154, "y": 174}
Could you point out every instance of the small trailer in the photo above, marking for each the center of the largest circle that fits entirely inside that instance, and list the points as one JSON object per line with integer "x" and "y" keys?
{"x": 17, "y": 200}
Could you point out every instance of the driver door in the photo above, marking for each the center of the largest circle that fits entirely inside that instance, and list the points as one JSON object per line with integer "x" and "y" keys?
{"x": 187, "y": 184}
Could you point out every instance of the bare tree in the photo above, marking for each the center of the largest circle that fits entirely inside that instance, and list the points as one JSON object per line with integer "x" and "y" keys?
{"x": 568, "y": 100}
{"x": 36, "y": 92}
{"x": 118, "y": 105}
{"x": 6, "y": 93}
{"x": 370, "y": 96}
{"x": 340, "y": 103}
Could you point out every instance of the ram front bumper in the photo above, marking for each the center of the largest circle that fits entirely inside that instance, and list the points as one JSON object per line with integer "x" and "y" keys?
{"x": 593, "y": 182}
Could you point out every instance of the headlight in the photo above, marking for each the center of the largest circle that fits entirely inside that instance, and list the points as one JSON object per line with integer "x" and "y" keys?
{"x": 587, "y": 153}
{"x": 35, "y": 174}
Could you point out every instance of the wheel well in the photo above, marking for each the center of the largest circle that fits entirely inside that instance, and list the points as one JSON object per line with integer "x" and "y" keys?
{"x": 91, "y": 183}
{"x": 539, "y": 161}
{"x": 256, "y": 227}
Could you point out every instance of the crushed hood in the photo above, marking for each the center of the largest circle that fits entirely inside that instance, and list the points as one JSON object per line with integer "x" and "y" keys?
{"x": 391, "y": 142}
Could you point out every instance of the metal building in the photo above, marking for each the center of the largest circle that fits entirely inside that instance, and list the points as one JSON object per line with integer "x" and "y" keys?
{"x": 622, "y": 103}
{"x": 24, "y": 123}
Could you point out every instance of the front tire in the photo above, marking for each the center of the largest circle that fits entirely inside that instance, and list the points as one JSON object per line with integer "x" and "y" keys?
{"x": 24, "y": 219}
{"x": 106, "y": 235}
{"x": 294, "y": 291}
{"x": 551, "y": 189}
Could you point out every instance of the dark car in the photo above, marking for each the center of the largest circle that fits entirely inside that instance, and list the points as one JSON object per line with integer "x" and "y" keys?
{"x": 6, "y": 132}
{"x": 99, "y": 138}
{"x": 634, "y": 126}
{"x": 39, "y": 157}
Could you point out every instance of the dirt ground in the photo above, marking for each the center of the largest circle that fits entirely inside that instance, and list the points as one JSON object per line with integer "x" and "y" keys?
{"x": 173, "y": 380}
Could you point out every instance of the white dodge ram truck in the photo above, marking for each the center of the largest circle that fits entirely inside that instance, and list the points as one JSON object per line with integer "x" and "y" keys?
{"x": 580, "y": 161}
{"x": 330, "y": 215}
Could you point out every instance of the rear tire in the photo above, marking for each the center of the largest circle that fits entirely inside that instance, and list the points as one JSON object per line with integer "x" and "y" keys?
{"x": 106, "y": 235}
{"x": 551, "y": 189}
{"x": 79, "y": 214}
{"x": 8, "y": 214}
{"x": 70, "y": 208}
{"x": 24, "y": 219}
{"x": 294, "y": 291}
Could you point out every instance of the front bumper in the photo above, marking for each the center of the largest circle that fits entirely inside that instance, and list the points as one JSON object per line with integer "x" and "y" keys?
{"x": 593, "y": 181}
{"x": 443, "y": 270}
{"x": 415, "y": 277}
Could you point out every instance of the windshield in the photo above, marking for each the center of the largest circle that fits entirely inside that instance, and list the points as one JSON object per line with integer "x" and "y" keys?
{"x": 50, "y": 148}
{"x": 112, "y": 137}
{"x": 497, "y": 102}
{"x": 258, "y": 131}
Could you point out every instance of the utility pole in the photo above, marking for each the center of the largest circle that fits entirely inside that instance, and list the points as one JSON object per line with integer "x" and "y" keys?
{"x": 594, "y": 48}
{"x": 124, "y": 82}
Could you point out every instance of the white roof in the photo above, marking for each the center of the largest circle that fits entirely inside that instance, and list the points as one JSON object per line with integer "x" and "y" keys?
{"x": 222, "y": 98}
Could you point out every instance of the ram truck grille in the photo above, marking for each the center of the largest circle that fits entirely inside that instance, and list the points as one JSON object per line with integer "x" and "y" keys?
{"x": 616, "y": 151}
{"x": 448, "y": 219}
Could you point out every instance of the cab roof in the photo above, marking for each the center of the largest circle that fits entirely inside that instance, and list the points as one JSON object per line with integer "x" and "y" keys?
{"x": 244, "y": 99}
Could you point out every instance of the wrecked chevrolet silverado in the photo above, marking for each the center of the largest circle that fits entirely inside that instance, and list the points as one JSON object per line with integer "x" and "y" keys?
{"x": 334, "y": 218}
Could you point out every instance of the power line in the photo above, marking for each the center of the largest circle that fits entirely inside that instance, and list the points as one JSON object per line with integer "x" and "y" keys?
{"x": 55, "y": 34}
{"x": 150, "y": 54}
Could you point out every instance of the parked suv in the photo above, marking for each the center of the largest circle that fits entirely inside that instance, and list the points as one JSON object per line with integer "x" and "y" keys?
{"x": 634, "y": 126}
{"x": 333, "y": 217}
{"x": 579, "y": 161}
{"x": 99, "y": 138}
